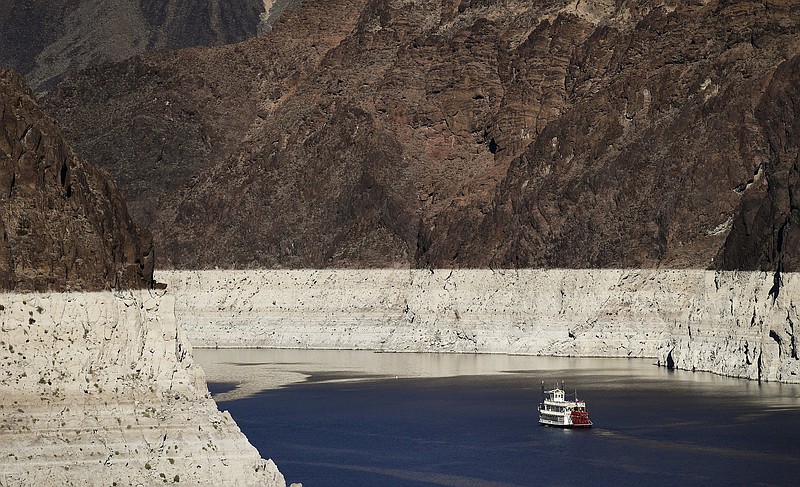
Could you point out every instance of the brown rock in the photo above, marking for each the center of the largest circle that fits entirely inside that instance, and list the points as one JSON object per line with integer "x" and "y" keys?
{"x": 64, "y": 224}
{"x": 766, "y": 231}
{"x": 652, "y": 164}
{"x": 468, "y": 134}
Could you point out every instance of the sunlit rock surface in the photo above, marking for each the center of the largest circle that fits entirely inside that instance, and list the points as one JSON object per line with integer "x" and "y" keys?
{"x": 100, "y": 389}
{"x": 63, "y": 223}
{"x": 96, "y": 388}
{"x": 732, "y": 323}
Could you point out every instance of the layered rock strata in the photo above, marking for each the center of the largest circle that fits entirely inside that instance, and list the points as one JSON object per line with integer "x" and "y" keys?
{"x": 732, "y": 323}
{"x": 100, "y": 389}
{"x": 96, "y": 388}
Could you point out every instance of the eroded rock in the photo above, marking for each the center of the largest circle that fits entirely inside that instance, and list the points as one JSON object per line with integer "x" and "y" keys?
{"x": 722, "y": 322}
{"x": 98, "y": 388}
{"x": 381, "y": 133}
{"x": 48, "y": 41}
{"x": 64, "y": 223}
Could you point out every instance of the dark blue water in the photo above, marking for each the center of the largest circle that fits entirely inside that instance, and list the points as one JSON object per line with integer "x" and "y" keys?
{"x": 652, "y": 427}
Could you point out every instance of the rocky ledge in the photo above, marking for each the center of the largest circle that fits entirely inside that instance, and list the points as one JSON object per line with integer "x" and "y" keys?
{"x": 740, "y": 324}
{"x": 100, "y": 389}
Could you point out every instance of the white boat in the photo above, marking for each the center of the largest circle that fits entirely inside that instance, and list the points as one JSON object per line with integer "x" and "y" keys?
{"x": 556, "y": 410}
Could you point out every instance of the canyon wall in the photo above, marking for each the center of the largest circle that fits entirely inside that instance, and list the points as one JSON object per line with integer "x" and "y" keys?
{"x": 100, "y": 389}
{"x": 96, "y": 388}
{"x": 733, "y": 323}
{"x": 462, "y": 134}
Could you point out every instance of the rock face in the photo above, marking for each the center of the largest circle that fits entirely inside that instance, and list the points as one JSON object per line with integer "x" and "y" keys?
{"x": 64, "y": 224}
{"x": 645, "y": 171}
{"x": 100, "y": 389}
{"x": 48, "y": 40}
{"x": 273, "y": 10}
{"x": 717, "y": 321}
{"x": 743, "y": 331}
{"x": 435, "y": 133}
{"x": 771, "y": 214}
{"x": 96, "y": 388}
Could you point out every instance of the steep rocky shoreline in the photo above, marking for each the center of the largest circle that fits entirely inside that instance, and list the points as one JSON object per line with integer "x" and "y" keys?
{"x": 100, "y": 389}
{"x": 96, "y": 388}
{"x": 730, "y": 323}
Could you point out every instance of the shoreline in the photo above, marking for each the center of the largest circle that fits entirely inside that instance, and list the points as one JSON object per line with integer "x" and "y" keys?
{"x": 101, "y": 387}
{"x": 242, "y": 373}
{"x": 721, "y": 322}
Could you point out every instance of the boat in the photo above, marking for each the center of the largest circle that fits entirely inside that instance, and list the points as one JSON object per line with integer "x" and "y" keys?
{"x": 556, "y": 410}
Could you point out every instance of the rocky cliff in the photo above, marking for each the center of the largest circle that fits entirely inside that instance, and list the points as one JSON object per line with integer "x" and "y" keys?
{"x": 440, "y": 133}
{"x": 64, "y": 223}
{"x": 717, "y": 321}
{"x": 47, "y": 40}
{"x": 100, "y": 389}
{"x": 96, "y": 388}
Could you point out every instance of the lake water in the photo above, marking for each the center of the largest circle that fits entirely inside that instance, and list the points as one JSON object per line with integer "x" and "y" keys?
{"x": 343, "y": 418}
